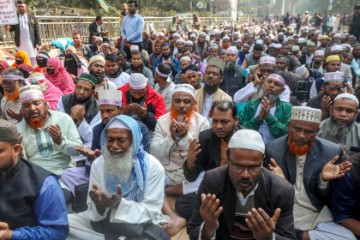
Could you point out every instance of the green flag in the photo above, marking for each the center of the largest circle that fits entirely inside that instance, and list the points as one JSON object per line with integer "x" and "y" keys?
{"x": 104, "y": 5}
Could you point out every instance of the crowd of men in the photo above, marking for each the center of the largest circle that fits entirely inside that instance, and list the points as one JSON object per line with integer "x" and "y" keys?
{"x": 252, "y": 128}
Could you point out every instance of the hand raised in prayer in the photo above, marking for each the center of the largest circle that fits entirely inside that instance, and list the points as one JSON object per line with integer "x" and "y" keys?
{"x": 5, "y": 232}
{"x": 193, "y": 150}
{"x": 331, "y": 171}
{"x": 140, "y": 110}
{"x": 210, "y": 211}
{"x": 261, "y": 225}
{"x": 112, "y": 201}
{"x": 264, "y": 109}
{"x": 78, "y": 113}
{"x": 90, "y": 154}
{"x": 55, "y": 133}
{"x": 128, "y": 109}
{"x": 95, "y": 196}
{"x": 325, "y": 103}
{"x": 275, "y": 168}
{"x": 14, "y": 115}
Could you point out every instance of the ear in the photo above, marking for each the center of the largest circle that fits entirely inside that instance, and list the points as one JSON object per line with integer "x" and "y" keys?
{"x": 222, "y": 79}
{"x": 17, "y": 149}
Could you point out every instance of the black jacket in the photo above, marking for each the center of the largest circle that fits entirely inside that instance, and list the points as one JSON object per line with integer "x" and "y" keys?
{"x": 33, "y": 29}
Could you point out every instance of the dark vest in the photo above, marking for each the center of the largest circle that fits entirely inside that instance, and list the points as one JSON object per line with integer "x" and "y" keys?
{"x": 91, "y": 107}
{"x": 19, "y": 189}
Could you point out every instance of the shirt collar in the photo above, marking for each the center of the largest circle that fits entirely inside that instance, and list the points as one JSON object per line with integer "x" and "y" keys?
{"x": 243, "y": 200}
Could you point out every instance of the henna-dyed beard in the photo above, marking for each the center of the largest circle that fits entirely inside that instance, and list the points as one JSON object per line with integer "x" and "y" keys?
{"x": 12, "y": 96}
{"x": 186, "y": 117}
{"x": 35, "y": 123}
{"x": 298, "y": 150}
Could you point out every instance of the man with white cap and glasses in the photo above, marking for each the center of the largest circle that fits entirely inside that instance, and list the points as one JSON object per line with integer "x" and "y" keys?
{"x": 309, "y": 163}
{"x": 341, "y": 127}
{"x": 242, "y": 199}
{"x": 268, "y": 114}
{"x": 141, "y": 102}
{"x": 164, "y": 84}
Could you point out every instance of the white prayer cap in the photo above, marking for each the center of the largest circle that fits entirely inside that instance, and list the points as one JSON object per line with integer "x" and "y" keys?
{"x": 162, "y": 34}
{"x": 176, "y": 35}
{"x": 134, "y": 48}
{"x": 110, "y": 97}
{"x": 259, "y": 42}
{"x": 295, "y": 48}
{"x": 105, "y": 45}
{"x": 30, "y": 92}
{"x": 226, "y": 37}
{"x": 212, "y": 46}
{"x": 337, "y": 35}
{"x": 202, "y": 34}
{"x": 117, "y": 123}
{"x": 236, "y": 33}
{"x": 319, "y": 53}
{"x": 207, "y": 38}
{"x": 347, "y": 96}
{"x": 180, "y": 41}
{"x": 185, "y": 58}
{"x": 301, "y": 40}
{"x": 346, "y": 45}
{"x": 277, "y": 45}
{"x": 277, "y": 78}
{"x": 336, "y": 48}
{"x": 302, "y": 72}
{"x": 189, "y": 42}
{"x": 281, "y": 34}
{"x": 334, "y": 76}
{"x": 267, "y": 60}
{"x": 186, "y": 88}
{"x": 137, "y": 81}
{"x": 247, "y": 139}
{"x": 193, "y": 35}
{"x": 232, "y": 49}
{"x": 99, "y": 39}
{"x": 307, "y": 114}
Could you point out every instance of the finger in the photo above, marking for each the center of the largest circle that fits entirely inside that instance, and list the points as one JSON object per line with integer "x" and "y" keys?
{"x": 259, "y": 218}
{"x": 215, "y": 206}
{"x": 276, "y": 216}
{"x": 251, "y": 218}
{"x": 119, "y": 191}
{"x": 266, "y": 218}
{"x": 218, "y": 212}
{"x": 334, "y": 159}
{"x": 273, "y": 162}
{"x": 95, "y": 187}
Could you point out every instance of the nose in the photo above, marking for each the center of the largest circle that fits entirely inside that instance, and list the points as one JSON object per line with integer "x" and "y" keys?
{"x": 115, "y": 145}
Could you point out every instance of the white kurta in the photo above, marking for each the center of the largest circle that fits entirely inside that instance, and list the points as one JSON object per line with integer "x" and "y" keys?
{"x": 25, "y": 39}
{"x": 120, "y": 80}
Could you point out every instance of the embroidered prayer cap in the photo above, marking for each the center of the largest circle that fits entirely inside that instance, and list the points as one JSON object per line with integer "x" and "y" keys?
{"x": 185, "y": 58}
{"x": 307, "y": 114}
{"x": 30, "y": 92}
{"x": 134, "y": 48}
{"x": 267, "y": 60}
{"x": 89, "y": 78}
{"x": 319, "y": 53}
{"x": 214, "y": 46}
{"x": 131, "y": 124}
{"x": 302, "y": 72}
{"x": 138, "y": 81}
{"x": 110, "y": 97}
{"x": 301, "y": 40}
{"x": 277, "y": 45}
{"x": 277, "y": 78}
{"x": 232, "y": 50}
{"x": 334, "y": 76}
{"x": 226, "y": 37}
{"x": 96, "y": 58}
{"x": 216, "y": 62}
{"x": 247, "y": 139}
{"x": 8, "y": 132}
{"x": 337, "y": 48}
{"x": 332, "y": 58}
{"x": 39, "y": 79}
{"x": 186, "y": 88}
{"x": 189, "y": 42}
{"x": 347, "y": 96}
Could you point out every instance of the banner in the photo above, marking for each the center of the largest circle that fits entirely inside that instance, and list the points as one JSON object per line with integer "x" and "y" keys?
{"x": 103, "y": 5}
{"x": 8, "y": 14}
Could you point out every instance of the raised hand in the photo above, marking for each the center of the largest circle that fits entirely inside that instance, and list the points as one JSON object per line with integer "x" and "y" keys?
{"x": 112, "y": 201}
{"x": 193, "y": 150}
{"x": 331, "y": 171}
{"x": 275, "y": 168}
{"x": 261, "y": 225}
{"x": 210, "y": 211}
{"x": 55, "y": 133}
{"x": 14, "y": 115}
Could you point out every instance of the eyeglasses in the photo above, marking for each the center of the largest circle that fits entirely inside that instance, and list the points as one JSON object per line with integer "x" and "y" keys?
{"x": 79, "y": 88}
{"x": 253, "y": 170}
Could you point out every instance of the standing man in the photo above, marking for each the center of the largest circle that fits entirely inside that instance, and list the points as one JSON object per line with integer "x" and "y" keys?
{"x": 27, "y": 35}
{"x": 82, "y": 50}
{"x": 132, "y": 27}
{"x": 355, "y": 23}
{"x": 95, "y": 28}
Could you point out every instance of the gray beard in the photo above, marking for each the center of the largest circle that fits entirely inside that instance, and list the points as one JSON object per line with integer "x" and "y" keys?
{"x": 118, "y": 167}
{"x": 339, "y": 131}
{"x": 272, "y": 98}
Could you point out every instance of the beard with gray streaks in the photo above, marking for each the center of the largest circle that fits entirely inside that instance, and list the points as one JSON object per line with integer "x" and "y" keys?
{"x": 118, "y": 166}
{"x": 339, "y": 131}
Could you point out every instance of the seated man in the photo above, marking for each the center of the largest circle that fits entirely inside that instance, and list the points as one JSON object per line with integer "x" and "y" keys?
{"x": 164, "y": 84}
{"x": 49, "y": 137}
{"x": 308, "y": 163}
{"x": 27, "y": 193}
{"x": 268, "y": 114}
{"x": 82, "y": 107}
{"x": 141, "y": 102}
{"x": 172, "y": 134}
{"x": 126, "y": 189}
{"x": 341, "y": 126}
{"x": 345, "y": 198}
{"x": 209, "y": 151}
{"x": 243, "y": 200}
{"x": 97, "y": 69}
{"x": 114, "y": 72}
{"x": 137, "y": 66}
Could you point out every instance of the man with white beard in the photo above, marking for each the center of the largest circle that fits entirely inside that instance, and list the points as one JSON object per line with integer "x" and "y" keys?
{"x": 341, "y": 126}
{"x": 126, "y": 189}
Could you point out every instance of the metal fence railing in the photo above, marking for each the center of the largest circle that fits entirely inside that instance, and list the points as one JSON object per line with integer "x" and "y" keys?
{"x": 52, "y": 27}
